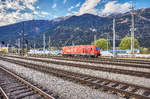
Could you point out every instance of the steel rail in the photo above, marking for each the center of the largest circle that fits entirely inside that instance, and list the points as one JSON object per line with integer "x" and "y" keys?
{"x": 4, "y": 96}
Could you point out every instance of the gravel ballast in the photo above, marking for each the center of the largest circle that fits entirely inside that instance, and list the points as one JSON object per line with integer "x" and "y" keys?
{"x": 141, "y": 81}
{"x": 65, "y": 89}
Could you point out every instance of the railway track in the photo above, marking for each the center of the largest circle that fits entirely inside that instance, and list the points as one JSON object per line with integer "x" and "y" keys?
{"x": 14, "y": 87}
{"x": 120, "y": 88}
{"x": 123, "y": 62}
{"x": 98, "y": 60}
{"x": 105, "y": 69}
{"x": 116, "y": 62}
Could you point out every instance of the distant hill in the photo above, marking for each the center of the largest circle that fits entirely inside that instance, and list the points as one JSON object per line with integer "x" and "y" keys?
{"x": 81, "y": 29}
{"x": 32, "y": 28}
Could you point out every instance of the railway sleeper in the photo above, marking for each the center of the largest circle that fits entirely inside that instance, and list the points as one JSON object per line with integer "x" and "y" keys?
{"x": 18, "y": 89}
{"x": 93, "y": 80}
{"x": 100, "y": 81}
{"x": 106, "y": 83}
{"x": 31, "y": 93}
{"x": 18, "y": 92}
{"x": 7, "y": 83}
{"x": 124, "y": 87}
{"x": 115, "y": 85}
{"x": 146, "y": 93}
{"x": 134, "y": 90}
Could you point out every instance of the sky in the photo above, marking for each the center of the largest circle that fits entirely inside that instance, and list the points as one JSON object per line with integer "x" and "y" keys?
{"x": 12, "y": 11}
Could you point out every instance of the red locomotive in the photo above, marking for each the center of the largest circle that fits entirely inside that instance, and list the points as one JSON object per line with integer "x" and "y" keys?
{"x": 81, "y": 50}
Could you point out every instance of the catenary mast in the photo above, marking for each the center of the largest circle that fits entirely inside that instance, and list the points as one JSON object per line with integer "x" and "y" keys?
{"x": 114, "y": 37}
{"x": 132, "y": 30}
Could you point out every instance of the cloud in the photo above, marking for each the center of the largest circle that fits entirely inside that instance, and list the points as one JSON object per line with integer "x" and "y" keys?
{"x": 88, "y": 7}
{"x": 26, "y": 16}
{"x": 12, "y": 11}
{"x": 31, "y": 7}
{"x": 65, "y": 1}
{"x": 38, "y": 7}
{"x": 69, "y": 9}
{"x": 35, "y": 13}
{"x": 68, "y": 14}
{"x": 78, "y": 5}
{"x": 28, "y": 3}
{"x": 55, "y": 16}
{"x": 45, "y": 13}
{"x": 114, "y": 7}
{"x": 72, "y": 7}
{"x": 8, "y": 18}
{"x": 54, "y": 6}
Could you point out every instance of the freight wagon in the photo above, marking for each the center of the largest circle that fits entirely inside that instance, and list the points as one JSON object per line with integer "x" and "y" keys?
{"x": 81, "y": 50}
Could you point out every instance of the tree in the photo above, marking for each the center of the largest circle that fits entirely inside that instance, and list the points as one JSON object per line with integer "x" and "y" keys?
{"x": 126, "y": 43}
{"x": 54, "y": 48}
{"x": 102, "y": 44}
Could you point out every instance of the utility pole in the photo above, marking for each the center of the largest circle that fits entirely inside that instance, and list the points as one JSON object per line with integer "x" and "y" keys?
{"x": 22, "y": 39}
{"x": 72, "y": 40}
{"x": 107, "y": 42}
{"x": 132, "y": 30}
{"x": 114, "y": 37}
{"x": 34, "y": 47}
{"x": 49, "y": 43}
{"x": 18, "y": 46}
{"x": 95, "y": 39}
{"x": 44, "y": 42}
{"x": 72, "y": 43}
{"x": 26, "y": 43}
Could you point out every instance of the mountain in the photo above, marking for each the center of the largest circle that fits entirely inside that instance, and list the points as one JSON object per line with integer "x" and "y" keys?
{"x": 12, "y": 32}
{"x": 80, "y": 30}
